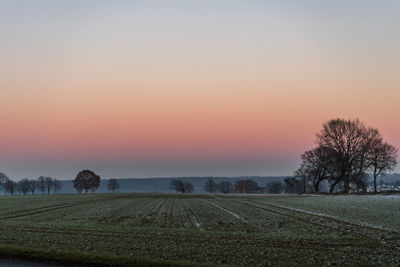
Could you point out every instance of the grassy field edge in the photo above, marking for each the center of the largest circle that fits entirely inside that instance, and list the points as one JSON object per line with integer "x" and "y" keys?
{"x": 77, "y": 258}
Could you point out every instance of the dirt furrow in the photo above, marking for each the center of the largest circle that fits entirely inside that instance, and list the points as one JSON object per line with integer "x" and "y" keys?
{"x": 43, "y": 210}
{"x": 336, "y": 227}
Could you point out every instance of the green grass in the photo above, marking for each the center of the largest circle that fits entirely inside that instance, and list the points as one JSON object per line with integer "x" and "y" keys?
{"x": 171, "y": 229}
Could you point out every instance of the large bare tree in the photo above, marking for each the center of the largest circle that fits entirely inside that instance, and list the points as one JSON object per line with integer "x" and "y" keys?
{"x": 346, "y": 138}
{"x": 347, "y": 151}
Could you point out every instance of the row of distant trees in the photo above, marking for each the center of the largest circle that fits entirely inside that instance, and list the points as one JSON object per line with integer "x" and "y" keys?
{"x": 44, "y": 185}
{"x": 346, "y": 155}
{"x": 85, "y": 181}
{"x": 246, "y": 186}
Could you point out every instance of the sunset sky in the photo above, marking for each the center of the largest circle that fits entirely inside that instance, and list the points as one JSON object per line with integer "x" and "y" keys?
{"x": 189, "y": 88}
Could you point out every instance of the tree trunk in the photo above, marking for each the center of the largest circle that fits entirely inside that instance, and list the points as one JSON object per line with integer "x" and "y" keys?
{"x": 346, "y": 185}
{"x": 332, "y": 188}
{"x": 316, "y": 187}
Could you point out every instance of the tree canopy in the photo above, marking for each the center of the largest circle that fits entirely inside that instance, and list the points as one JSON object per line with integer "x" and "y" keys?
{"x": 347, "y": 152}
{"x": 86, "y": 180}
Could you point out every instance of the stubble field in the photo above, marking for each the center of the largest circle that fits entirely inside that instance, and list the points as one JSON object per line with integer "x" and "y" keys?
{"x": 150, "y": 229}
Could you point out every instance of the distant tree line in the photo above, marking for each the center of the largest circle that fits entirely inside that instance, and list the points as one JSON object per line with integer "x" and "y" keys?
{"x": 43, "y": 185}
{"x": 245, "y": 186}
{"x": 347, "y": 153}
{"x": 85, "y": 181}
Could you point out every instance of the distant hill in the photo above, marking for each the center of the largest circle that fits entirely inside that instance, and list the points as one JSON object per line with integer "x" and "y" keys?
{"x": 148, "y": 185}
{"x": 390, "y": 178}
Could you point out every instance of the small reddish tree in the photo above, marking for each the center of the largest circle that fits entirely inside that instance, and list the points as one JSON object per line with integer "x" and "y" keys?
{"x": 246, "y": 186}
{"x": 86, "y": 180}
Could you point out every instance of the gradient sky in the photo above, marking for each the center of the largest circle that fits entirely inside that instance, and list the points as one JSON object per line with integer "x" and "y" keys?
{"x": 181, "y": 88}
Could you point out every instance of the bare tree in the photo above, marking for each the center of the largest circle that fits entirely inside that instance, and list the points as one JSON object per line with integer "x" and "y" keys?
{"x": 41, "y": 184}
{"x": 246, "y": 186}
{"x": 210, "y": 186}
{"x": 49, "y": 184}
{"x": 302, "y": 175}
{"x": 10, "y": 186}
{"x": 180, "y": 186}
{"x": 23, "y": 186}
{"x": 86, "y": 180}
{"x": 316, "y": 165}
{"x": 188, "y": 187}
{"x": 32, "y": 185}
{"x": 383, "y": 158}
{"x": 347, "y": 150}
{"x": 113, "y": 185}
{"x": 292, "y": 185}
{"x": 225, "y": 187}
{"x": 177, "y": 185}
{"x": 347, "y": 139}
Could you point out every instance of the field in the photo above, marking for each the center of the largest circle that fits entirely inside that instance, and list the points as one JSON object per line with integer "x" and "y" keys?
{"x": 152, "y": 229}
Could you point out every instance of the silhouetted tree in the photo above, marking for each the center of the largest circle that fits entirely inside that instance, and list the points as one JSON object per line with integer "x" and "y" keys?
{"x": 292, "y": 185}
{"x": 86, "y": 180}
{"x": 345, "y": 138}
{"x": 383, "y": 158}
{"x": 346, "y": 151}
{"x": 177, "y": 185}
{"x": 188, "y": 187}
{"x": 225, "y": 187}
{"x": 48, "y": 184}
{"x": 10, "y": 186}
{"x": 32, "y": 185}
{"x": 274, "y": 187}
{"x": 301, "y": 174}
{"x": 211, "y": 186}
{"x": 23, "y": 186}
{"x": 113, "y": 185}
{"x": 246, "y": 186}
{"x": 180, "y": 186}
{"x": 41, "y": 184}
{"x": 317, "y": 165}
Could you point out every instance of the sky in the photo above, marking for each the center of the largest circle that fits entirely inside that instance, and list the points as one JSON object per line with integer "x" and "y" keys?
{"x": 189, "y": 88}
